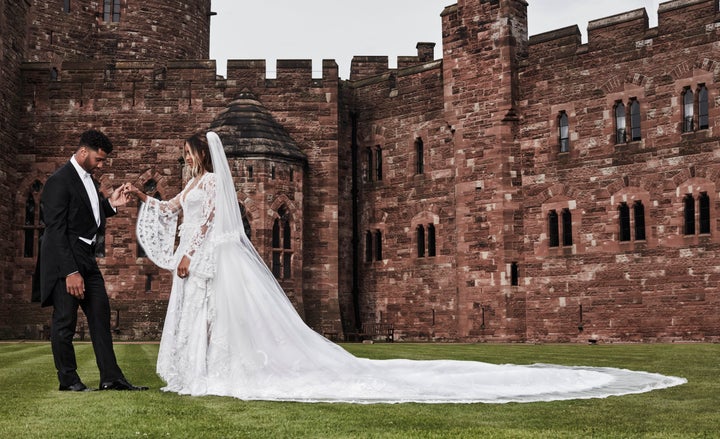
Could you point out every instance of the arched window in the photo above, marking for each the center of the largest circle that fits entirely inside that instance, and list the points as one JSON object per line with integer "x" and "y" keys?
{"x": 378, "y": 245}
{"x": 620, "y": 125}
{"x": 420, "y": 241}
{"x": 639, "y": 211}
{"x": 431, "y": 240}
{"x": 704, "y": 211}
{"x": 368, "y": 246}
{"x": 111, "y": 11}
{"x": 564, "y": 132}
{"x": 33, "y": 225}
{"x": 514, "y": 277}
{"x": 553, "y": 233}
{"x": 282, "y": 245}
{"x": 635, "y": 132}
{"x": 624, "y": 217}
{"x": 689, "y": 215}
{"x": 688, "y": 111}
{"x": 567, "y": 227}
{"x": 419, "y": 156}
{"x": 703, "y": 117}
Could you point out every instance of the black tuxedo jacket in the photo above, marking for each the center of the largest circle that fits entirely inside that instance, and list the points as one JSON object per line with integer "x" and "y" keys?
{"x": 67, "y": 214}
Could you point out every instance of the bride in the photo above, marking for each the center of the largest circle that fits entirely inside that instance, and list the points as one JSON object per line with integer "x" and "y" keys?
{"x": 230, "y": 330}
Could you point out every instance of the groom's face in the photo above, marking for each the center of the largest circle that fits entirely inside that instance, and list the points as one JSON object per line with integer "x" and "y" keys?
{"x": 89, "y": 159}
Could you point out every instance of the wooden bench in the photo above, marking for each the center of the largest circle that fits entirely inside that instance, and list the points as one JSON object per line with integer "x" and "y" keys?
{"x": 370, "y": 331}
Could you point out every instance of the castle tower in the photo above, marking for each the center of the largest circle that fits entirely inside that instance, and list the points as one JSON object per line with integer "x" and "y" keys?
{"x": 484, "y": 42}
{"x": 150, "y": 30}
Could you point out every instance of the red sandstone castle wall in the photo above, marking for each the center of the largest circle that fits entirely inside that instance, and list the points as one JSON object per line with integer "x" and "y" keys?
{"x": 662, "y": 288}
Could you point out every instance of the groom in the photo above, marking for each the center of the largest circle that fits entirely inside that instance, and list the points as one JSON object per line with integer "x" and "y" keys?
{"x": 74, "y": 213}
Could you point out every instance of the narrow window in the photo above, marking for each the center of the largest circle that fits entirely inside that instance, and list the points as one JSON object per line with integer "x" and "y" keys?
{"x": 378, "y": 164}
{"x": 378, "y": 245}
{"x": 635, "y": 120}
{"x": 272, "y": 172}
{"x": 514, "y": 274}
{"x": 431, "y": 240}
{"x": 246, "y": 222}
{"x": 620, "y": 123}
{"x": 111, "y": 10}
{"x": 689, "y": 203}
{"x": 368, "y": 165}
{"x": 703, "y": 118}
{"x": 553, "y": 235}
{"x": 624, "y": 217}
{"x": 66, "y": 6}
{"x": 420, "y": 241}
{"x": 368, "y": 246}
{"x": 277, "y": 252}
{"x": 420, "y": 159}
{"x": 564, "y": 132}
{"x": 567, "y": 227}
{"x": 29, "y": 247}
{"x": 704, "y": 208}
{"x": 250, "y": 172}
{"x": 639, "y": 211}
{"x": 688, "y": 111}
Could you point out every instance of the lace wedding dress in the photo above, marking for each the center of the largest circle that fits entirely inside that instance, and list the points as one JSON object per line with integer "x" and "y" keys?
{"x": 231, "y": 331}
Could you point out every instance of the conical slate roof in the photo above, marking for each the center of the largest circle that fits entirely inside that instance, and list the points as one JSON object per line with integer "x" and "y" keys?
{"x": 247, "y": 129}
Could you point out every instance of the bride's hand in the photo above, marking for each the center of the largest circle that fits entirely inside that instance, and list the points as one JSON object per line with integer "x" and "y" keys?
{"x": 131, "y": 189}
{"x": 183, "y": 268}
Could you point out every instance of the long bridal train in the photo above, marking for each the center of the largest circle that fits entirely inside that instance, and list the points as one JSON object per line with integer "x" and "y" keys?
{"x": 230, "y": 330}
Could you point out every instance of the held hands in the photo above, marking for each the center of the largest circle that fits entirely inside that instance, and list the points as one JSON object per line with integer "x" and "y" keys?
{"x": 120, "y": 196}
{"x": 132, "y": 190}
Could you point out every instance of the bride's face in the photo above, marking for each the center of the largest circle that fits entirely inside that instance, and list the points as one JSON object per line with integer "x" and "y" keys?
{"x": 188, "y": 156}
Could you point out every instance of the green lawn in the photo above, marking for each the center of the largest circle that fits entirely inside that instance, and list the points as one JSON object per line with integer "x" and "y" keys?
{"x": 31, "y": 405}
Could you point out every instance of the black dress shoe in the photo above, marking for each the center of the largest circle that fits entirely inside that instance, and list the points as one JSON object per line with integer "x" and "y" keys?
{"x": 121, "y": 384}
{"x": 77, "y": 387}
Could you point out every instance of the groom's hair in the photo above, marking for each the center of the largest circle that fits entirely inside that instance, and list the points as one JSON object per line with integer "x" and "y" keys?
{"x": 95, "y": 140}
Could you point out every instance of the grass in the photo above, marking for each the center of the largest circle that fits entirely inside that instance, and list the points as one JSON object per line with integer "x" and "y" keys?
{"x": 31, "y": 406}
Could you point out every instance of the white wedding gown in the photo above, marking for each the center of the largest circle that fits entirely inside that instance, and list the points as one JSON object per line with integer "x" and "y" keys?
{"x": 231, "y": 331}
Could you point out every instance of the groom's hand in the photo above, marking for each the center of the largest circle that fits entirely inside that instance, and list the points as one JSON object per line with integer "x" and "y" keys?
{"x": 75, "y": 285}
{"x": 120, "y": 196}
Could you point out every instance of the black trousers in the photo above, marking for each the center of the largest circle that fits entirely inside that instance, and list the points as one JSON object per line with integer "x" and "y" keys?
{"x": 96, "y": 307}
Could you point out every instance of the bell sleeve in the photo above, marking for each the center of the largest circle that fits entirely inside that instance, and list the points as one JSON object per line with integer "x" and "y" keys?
{"x": 156, "y": 230}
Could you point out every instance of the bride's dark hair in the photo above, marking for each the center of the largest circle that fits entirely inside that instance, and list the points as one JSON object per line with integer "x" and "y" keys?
{"x": 199, "y": 148}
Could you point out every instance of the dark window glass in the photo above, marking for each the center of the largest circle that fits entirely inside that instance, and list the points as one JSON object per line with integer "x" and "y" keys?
{"x": 287, "y": 265}
{"x": 635, "y": 120}
{"x": 421, "y": 241}
{"x": 704, "y": 207}
{"x": 378, "y": 164}
{"x": 564, "y": 132}
{"x": 111, "y": 10}
{"x": 688, "y": 111}
{"x": 272, "y": 172}
{"x": 689, "y": 204}
{"x": 66, "y": 6}
{"x": 431, "y": 240}
{"x": 553, "y": 234}
{"x": 514, "y": 278}
{"x": 287, "y": 242}
{"x": 276, "y": 266}
{"x": 276, "y": 233}
{"x": 567, "y": 227}
{"x": 420, "y": 156}
{"x": 378, "y": 245}
{"x": 639, "y": 211}
{"x": 368, "y": 246}
{"x": 624, "y": 216}
{"x": 703, "y": 117}
{"x": 368, "y": 164}
{"x": 620, "y": 125}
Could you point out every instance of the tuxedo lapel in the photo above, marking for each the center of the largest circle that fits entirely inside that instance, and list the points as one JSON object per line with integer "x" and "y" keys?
{"x": 79, "y": 188}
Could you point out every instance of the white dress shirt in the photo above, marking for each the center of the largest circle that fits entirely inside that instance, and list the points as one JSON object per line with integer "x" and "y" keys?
{"x": 92, "y": 193}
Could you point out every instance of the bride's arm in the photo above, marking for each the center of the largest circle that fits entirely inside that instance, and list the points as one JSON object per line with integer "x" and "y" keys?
{"x": 208, "y": 218}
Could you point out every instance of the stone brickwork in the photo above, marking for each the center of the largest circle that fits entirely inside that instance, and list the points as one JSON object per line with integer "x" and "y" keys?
{"x": 429, "y": 191}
